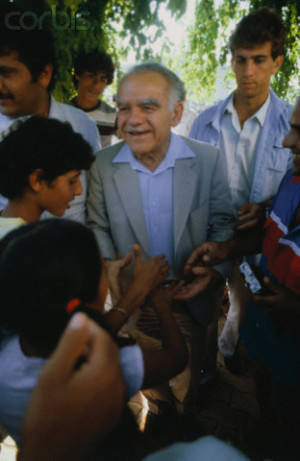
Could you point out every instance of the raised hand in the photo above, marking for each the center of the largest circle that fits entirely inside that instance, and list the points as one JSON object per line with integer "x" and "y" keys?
{"x": 150, "y": 273}
{"x": 205, "y": 278}
{"x": 207, "y": 254}
{"x": 113, "y": 270}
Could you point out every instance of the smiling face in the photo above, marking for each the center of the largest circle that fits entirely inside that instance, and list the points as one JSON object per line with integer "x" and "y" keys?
{"x": 253, "y": 69}
{"x": 145, "y": 118}
{"x": 292, "y": 139}
{"x": 91, "y": 86}
{"x": 19, "y": 95}
{"x": 56, "y": 196}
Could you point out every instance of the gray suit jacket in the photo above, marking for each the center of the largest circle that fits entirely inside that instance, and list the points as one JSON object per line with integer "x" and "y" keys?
{"x": 202, "y": 204}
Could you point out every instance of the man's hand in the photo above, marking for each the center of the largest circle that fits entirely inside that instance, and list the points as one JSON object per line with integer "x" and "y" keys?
{"x": 282, "y": 305}
{"x": 74, "y": 406}
{"x": 206, "y": 278}
{"x": 162, "y": 296}
{"x": 146, "y": 277}
{"x": 207, "y": 254}
{"x": 113, "y": 269}
{"x": 250, "y": 215}
{"x": 150, "y": 273}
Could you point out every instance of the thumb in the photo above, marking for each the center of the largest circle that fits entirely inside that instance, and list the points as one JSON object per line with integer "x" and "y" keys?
{"x": 137, "y": 253}
{"x": 200, "y": 270}
{"x": 206, "y": 258}
{"x": 126, "y": 260}
{"x": 70, "y": 348}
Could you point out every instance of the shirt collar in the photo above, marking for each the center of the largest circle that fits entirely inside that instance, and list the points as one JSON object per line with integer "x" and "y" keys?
{"x": 260, "y": 115}
{"x": 177, "y": 150}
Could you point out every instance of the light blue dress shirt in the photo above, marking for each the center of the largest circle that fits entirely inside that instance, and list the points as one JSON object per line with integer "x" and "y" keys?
{"x": 156, "y": 189}
{"x": 271, "y": 159}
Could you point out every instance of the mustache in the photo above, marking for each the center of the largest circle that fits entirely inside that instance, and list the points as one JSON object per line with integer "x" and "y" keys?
{"x": 6, "y": 96}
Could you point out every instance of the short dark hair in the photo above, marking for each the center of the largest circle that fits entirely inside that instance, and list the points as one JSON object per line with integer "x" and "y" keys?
{"x": 43, "y": 266}
{"x": 94, "y": 61}
{"x": 42, "y": 143}
{"x": 258, "y": 27}
{"x": 35, "y": 46}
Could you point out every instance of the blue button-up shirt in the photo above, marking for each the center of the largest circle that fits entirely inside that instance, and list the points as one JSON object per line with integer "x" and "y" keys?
{"x": 156, "y": 189}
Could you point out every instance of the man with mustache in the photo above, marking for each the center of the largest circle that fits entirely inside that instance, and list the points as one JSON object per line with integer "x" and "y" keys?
{"x": 27, "y": 71}
{"x": 249, "y": 127}
{"x": 166, "y": 193}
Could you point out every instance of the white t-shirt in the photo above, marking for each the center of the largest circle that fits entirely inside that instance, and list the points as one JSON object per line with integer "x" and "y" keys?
{"x": 239, "y": 145}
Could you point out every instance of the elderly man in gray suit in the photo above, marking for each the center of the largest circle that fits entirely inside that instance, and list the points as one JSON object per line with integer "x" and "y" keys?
{"x": 168, "y": 194}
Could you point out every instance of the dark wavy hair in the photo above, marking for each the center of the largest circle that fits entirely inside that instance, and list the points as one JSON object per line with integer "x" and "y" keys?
{"x": 94, "y": 61}
{"x": 43, "y": 266}
{"x": 258, "y": 27}
{"x": 34, "y": 45}
{"x": 40, "y": 143}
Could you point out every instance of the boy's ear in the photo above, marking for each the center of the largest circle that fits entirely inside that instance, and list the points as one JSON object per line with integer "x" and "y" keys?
{"x": 36, "y": 181}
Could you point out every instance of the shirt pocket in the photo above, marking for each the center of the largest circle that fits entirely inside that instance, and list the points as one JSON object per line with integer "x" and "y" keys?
{"x": 278, "y": 159}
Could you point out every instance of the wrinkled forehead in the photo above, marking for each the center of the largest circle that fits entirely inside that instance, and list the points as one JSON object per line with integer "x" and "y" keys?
{"x": 147, "y": 80}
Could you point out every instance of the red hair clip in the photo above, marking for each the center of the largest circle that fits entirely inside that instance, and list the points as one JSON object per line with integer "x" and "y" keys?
{"x": 72, "y": 304}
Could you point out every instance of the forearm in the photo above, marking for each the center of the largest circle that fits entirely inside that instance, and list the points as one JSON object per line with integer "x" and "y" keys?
{"x": 163, "y": 364}
{"x": 129, "y": 303}
{"x": 171, "y": 336}
{"x": 244, "y": 243}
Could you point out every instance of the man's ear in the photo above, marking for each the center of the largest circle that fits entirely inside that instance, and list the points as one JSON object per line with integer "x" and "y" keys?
{"x": 36, "y": 181}
{"x": 45, "y": 76}
{"x": 177, "y": 113}
{"x": 277, "y": 63}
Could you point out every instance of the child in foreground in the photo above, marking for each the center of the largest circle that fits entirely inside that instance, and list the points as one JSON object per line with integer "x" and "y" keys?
{"x": 46, "y": 266}
{"x": 61, "y": 436}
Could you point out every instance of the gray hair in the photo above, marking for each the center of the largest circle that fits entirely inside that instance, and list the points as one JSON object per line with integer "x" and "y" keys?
{"x": 177, "y": 91}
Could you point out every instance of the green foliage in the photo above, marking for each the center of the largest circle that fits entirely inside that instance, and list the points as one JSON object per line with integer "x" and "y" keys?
{"x": 288, "y": 78}
{"x": 207, "y": 46}
{"x": 116, "y": 26}
{"x": 200, "y": 57}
